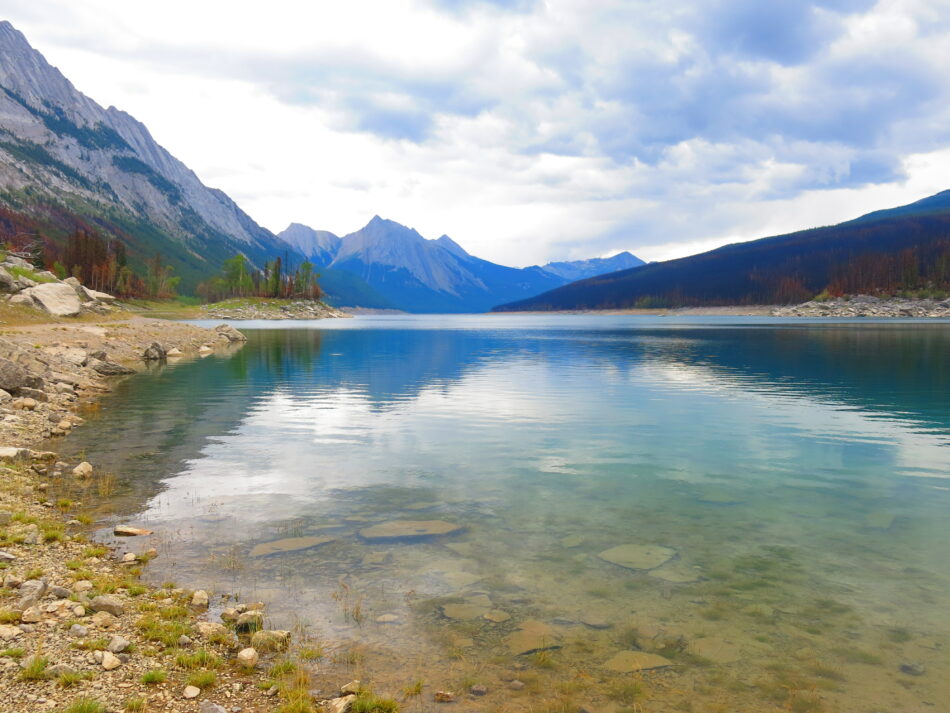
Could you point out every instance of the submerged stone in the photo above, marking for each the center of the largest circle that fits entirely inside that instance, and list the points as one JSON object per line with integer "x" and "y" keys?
{"x": 533, "y": 636}
{"x": 638, "y": 556}
{"x": 716, "y": 650}
{"x": 496, "y": 616}
{"x": 572, "y": 541}
{"x": 409, "y": 529}
{"x": 289, "y": 544}
{"x": 463, "y": 611}
{"x": 633, "y": 661}
{"x": 676, "y": 573}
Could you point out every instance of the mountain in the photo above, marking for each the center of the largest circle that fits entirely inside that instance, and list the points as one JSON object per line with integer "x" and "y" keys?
{"x": 418, "y": 275}
{"x": 66, "y": 163}
{"x": 903, "y": 249}
{"x": 581, "y": 269}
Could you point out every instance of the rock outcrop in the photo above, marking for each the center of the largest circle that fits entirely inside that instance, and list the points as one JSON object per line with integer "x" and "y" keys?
{"x": 60, "y": 298}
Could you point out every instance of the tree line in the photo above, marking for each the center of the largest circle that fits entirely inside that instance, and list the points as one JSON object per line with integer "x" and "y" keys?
{"x": 278, "y": 278}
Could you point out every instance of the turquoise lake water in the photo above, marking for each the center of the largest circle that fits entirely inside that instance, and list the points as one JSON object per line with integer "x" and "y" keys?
{"x": 790, "y": 481}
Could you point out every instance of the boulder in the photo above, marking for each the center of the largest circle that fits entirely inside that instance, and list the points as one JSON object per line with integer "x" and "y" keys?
{"x": 633, "y": 661}
{"x": 100, "y": 296}
{"x": 249, "y": 621}
{"x": 83, "y": 470}
{"x": 118, "y": 644}
{"x": 232, "y": 335}
{"x": 13, "y": 377}
{"x": 154, "y": 352}
{"x": 17, "y": 262}
{"x": 57, "y": 298}
{"x": 9, "y": 453}
{"x": 108, "y": 368}
{"x": 7, "y": 283}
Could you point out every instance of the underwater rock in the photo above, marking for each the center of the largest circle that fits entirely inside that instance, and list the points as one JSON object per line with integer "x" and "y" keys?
{"x": 676, "y": 573}
{"x": 464, "y": 610}
{"x": 573, "y": 541}
{"x": 716, "y": 650}
{"x": 409, "y": 529}
{"x": 633, "y": 661}
{"x": 638, "y": 556}
{"x": 288, "y": 544}
{"x": 496, "y": 616}
{"x": 533, "y": 636}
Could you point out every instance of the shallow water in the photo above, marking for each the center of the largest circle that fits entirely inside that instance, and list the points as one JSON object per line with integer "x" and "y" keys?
{"x": 796, "y": 474}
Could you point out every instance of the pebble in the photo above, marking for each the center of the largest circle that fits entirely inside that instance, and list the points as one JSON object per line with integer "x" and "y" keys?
{"x": 913, "y": 668}
{"x": 110, "y": 661}
{"x": 516, "y": 685}
{"x": 192, "y": 692}
{"x": 478, "y": 690}
{"x": 248, "y": 657}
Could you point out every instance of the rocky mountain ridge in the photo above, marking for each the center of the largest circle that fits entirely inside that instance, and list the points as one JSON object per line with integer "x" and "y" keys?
{"x": 419, "y": 275}
{"x": 61, "y": 151}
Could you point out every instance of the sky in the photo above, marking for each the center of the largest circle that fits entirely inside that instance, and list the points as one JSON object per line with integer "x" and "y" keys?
{"x": 530, "y": 130}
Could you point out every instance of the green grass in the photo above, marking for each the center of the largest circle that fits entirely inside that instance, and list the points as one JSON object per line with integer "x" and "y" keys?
{"x": 154, "y": 676}
{"x": 202, "y": 679}
{"x": 201, "y": 658}
{"x": 15, "y": 653}
{"x": 374, "y": 704}
{"x": 17, "y": 271}
{"x": 66, "y": 680}
{"x": 35, "y": 670}
{"x": 135, "y": 705}
{"x": 85, "y": 705}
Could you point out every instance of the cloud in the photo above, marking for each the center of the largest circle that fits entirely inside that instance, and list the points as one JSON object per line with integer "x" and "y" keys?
{"x": 529, "y": 130}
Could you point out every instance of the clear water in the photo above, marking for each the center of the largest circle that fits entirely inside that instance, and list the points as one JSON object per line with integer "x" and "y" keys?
{"x": 797, "y": 473}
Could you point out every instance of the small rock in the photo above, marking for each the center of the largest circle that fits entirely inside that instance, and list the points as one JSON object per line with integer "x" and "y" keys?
{"x": 83, "y": 470}
{"x": 191, "y": 692}
{"x": 78, "y": 630}
{"x": 913, "y": 668}
{"x": 276, "y": 640}
{"x": 249, "y": 621}
{"x": 516, "y": 685}
{"x": 478, "y": 690}
{"x": 105, "y": 603}
{"x": 31, "y": 616}
{"x": 59, "y": 592}
{"x": 184, "y": 641}
{"x": 387, "y": 619}
{"x": 103, "y": 620}
{"x": 6, "y": 517}
{"x": 248, "y": 657}
{"x": 209, "y": 707}
{"x": 83, "y": 585}
{"x": 128, "y": 530}
{"x": 443, "y": 696}
{"x": 110, "y": 661}
{"x": 351, "y": 687}
{"x": 7, "y": 556}
{"x": 199, "y": 599}
{"x": 128, "y": 557}
{"x": 118, "y": 644}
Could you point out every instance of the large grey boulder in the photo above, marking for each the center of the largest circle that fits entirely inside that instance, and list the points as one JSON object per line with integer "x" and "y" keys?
{"x": 7, "y": 282}
{"x": 13, "y": 377}
{"x": 57, "y": 298}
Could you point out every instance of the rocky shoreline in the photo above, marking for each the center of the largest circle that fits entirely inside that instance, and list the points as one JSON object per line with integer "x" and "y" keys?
{"x": 869, "y": 306}
{"x": 79, "y": 633}
{"x": 271, "y": 309}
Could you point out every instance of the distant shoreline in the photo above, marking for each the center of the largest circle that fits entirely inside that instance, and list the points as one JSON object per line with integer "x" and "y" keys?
{"x": 719, "y": 311}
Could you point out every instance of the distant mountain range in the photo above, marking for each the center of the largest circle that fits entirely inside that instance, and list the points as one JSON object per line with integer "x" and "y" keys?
{"x": 396, "y": 267}
{"x": 899, "y": 250}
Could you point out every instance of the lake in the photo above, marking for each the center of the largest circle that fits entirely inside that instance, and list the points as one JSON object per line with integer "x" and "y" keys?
{"x": 757, "y": 508}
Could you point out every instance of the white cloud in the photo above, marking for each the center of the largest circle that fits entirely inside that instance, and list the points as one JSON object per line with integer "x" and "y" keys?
{"x": 562, "y": 129}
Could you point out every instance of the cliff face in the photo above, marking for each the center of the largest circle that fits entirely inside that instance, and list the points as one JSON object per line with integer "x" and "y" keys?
{"x": 60, "y": 148}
